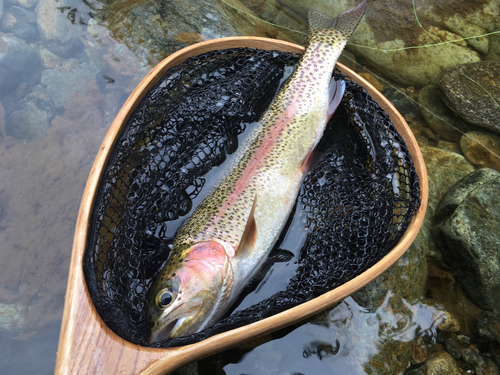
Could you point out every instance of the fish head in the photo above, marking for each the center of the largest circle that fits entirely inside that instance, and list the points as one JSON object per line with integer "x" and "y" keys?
{"x": 191, "y": 292}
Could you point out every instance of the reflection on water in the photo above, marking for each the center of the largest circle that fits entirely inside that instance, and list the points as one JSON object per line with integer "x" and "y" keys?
{"x": 341, "y": 341}
{"x": 64, "y": 76}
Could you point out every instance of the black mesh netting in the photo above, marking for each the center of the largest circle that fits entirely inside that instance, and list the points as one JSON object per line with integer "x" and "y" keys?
{"x": 358, "y": 199}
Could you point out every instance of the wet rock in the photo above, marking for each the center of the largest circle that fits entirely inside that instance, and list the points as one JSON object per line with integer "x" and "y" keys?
{"x": 16, "y": 56}
{"x": 488, "y": 326}
{"x": 22, "y": 23}
{"x": 468, "y": 230}
{"x": 448, "y": 323}
{"x": 471, "y": 101}
{"x": 11, "y": 317}
{"x": 406, "y": 279}
{"x": 61, "y": 33}
{"x": 49, "y": 60}
{"x": 401, "y": 101}
{"x": 471, "y": 355}
{"x": 419, "y": 352}
{"x": 490, "y": 368}
{"x": 418, "y": 370}
{"x": 481, "y": 150}
{"x": 161, "y": 27}
{"x": 438, "y": 116}
{"x": 442, "y": 363}
{"x": 32, "y": 121}
{"x": 444, "y": 169}
{"x": 59, "y": 83}
{"x": 7, "y": 22}
{"x": 453, "y": 348}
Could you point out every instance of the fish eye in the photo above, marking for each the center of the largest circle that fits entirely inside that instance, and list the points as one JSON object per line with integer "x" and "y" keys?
{"x": 164, "y": 298}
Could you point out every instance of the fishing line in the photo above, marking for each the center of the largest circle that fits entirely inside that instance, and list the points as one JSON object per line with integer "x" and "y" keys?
{"x": 438, "y": 43}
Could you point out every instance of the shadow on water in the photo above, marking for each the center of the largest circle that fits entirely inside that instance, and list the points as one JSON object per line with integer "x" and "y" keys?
{"x": 67, "y": 66}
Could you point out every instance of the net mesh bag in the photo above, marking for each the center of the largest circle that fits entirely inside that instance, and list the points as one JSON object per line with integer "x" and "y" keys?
{"x": 357, "y": 200}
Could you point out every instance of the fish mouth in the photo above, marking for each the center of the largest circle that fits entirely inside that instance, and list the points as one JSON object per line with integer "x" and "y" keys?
{"x": 178, "y": 315}
{"x": 164, "y": 333}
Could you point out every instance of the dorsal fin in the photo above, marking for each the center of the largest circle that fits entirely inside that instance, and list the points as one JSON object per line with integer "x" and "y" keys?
{"x": 249, "y": 234}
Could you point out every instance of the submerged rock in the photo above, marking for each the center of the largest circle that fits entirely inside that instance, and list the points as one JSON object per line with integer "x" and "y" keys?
{"x": 469, "y": 91}
{"x": 60, "y": 83}
{"x": 61, "y": 33}
{"x": 481, "y": 150}
{"x": 488, "y": 326}
{"x": 164, "y": 27}
{"x": 442, "y": 363}
{"x": 439, "y": 118}
{"x": 468, "y": 230}
{"x": 16, "y": 57}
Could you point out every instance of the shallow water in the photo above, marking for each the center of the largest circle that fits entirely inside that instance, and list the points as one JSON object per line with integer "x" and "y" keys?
{"x": 62, "y": 83}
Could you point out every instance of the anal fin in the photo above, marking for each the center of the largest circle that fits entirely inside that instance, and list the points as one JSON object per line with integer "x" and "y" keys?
{"x": 249, "y": 234}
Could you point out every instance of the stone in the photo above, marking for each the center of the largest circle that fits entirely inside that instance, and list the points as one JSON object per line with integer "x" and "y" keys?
{"x": 468, "y": 232}
{"x": 471, "y": 355}
{"x": 402, "y": 102}
{"x": 16, "y": 56}
{"x": 7, "y": 22}
{"x": 419, "y": 370}
{"x": 490, "y": 368}
{"x": 28, "y": 123}
{"x": 25, "y": 26}
{"x": 60, "y": 83}
{"x": 444, "y": 169}
{"x": 448, "y": 323}
{"x": 440, "y": 119}
{"x": 453, "y": 348}
{"x": 481, "y": 150}
{"x": 442, "y": 363}
{"x": 62, "y": 36}
{"x": 419, "y": 352}
{"x": 161, "y": 28}
{"x": 49, "y": 60}
{"x": 488, "y": 326}
{"x": 471, "y": 101}
{"x": 11, "y": 317}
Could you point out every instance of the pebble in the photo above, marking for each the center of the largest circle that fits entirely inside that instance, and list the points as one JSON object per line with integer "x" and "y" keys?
{"x": 448, "y": 323}
{"x": 419, "y": 353}
{"x": 481, "y": 150}
{"x": 471, "y": 355}
{"x": 452, "y": 348}
{"x": 488, "y": 326}
{"x": 441, "y": 363}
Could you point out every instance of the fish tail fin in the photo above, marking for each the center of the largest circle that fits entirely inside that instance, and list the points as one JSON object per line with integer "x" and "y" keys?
{"x": 345, "y": 22}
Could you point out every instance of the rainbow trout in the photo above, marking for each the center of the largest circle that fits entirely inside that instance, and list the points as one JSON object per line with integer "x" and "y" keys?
{"x": 229, "y": 236}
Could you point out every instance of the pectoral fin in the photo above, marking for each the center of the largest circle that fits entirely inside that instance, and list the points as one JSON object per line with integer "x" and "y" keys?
{"x": 250, "y": 234}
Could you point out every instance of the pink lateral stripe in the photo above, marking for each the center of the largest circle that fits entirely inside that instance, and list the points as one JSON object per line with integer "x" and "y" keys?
{"x": 260, "y": 154}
